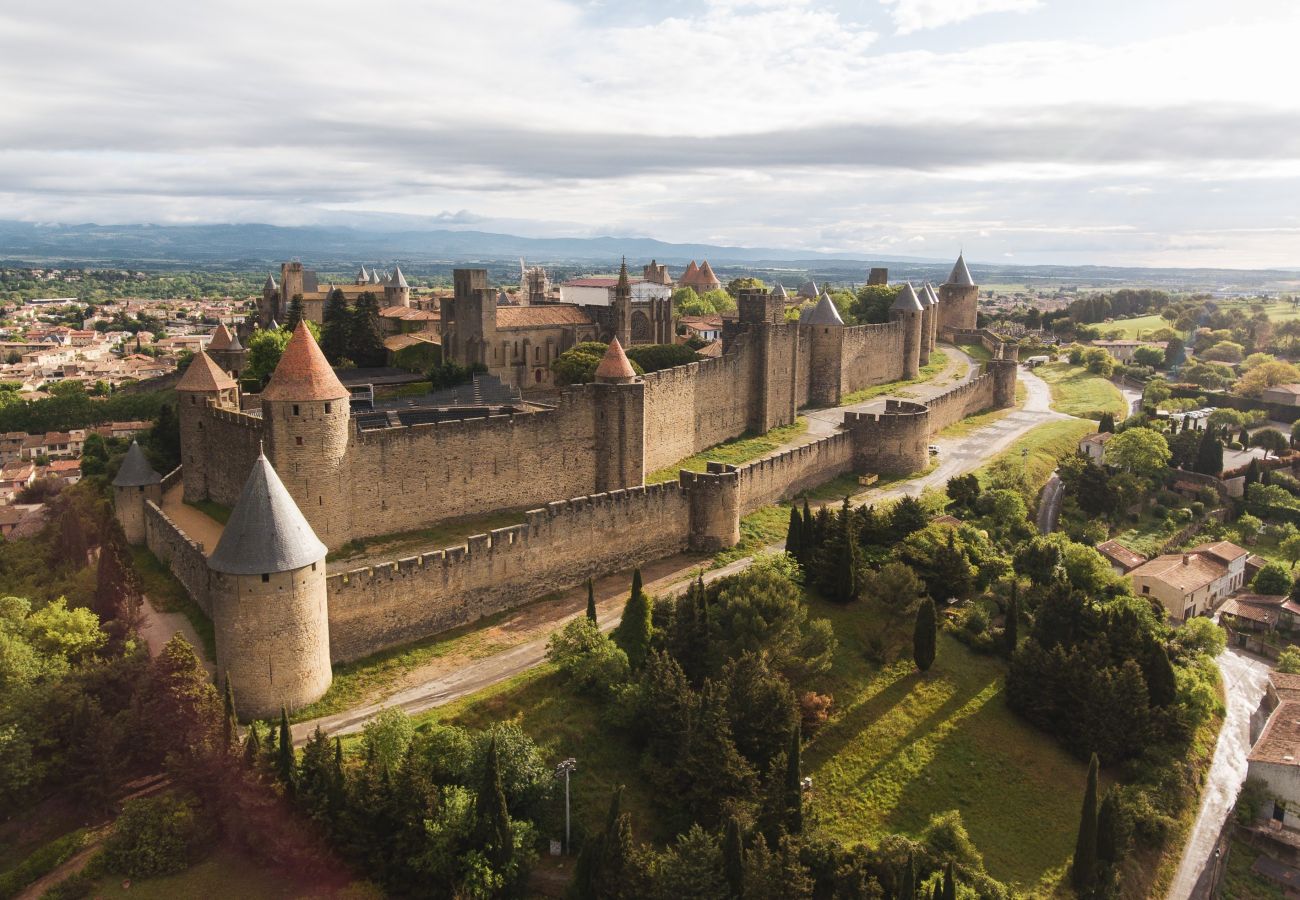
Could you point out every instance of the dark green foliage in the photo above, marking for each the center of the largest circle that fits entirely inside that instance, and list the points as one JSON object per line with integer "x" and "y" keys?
{"x": 794, "y": 534}
{"x": 335, "y": 335}
{"x": 162, "y": 443}
{"x": 366, "y": 335}
{"x": 1107, "y": 423}
{"x": 450, "y": 374}
{"x": 1011, "y": 630}
{"x": 252, "y": 746}
{"x": 1110, "y": 832}
{"x": 963, "y": 491}
{"x": 315, "y": 781}
{"x": 294, "y": 313}
{"x": 491, "y": 818}
{"x": 229, "y": 718}
{"x": 907, "y": 516}
{"x": 653, "y": 357}
{"x": 285, "y": 764}
{"x": 761, "y": 707}
{"x": 633, "y": 632}
{"x": 794, "y": 786}
{"x": 1209, "y": 457}
{"x": 154, "y": 836}
{"x": 94, "y": 455}
{"x": 1083, "y": 868}
{"x": 907, "y": 880}
{"x": 925, "y": 636}
{"x": 1162, "y": 683}
{"x": 605, "y": 867}
{"x": 733, "y": 857}
{"x": 591, "y": 602}
{"x": 1273, "y": 578}
{"x": 808, "y": 536}
{"x": 117, "y": 587}
{"x": 839, "y": 565}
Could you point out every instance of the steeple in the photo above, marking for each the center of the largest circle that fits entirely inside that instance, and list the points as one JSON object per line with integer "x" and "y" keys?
{"x": 135, "y": 470}
{"x": 204, "y": 376}
{"x": 614, "y": 368}
{"x": 266, "y": 531}
{"x": 960, "y": 275}
{"x": 303, "y": 372}
{"x": 624, "y": 287}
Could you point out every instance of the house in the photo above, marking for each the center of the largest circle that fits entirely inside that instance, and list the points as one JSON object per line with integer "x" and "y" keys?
{"x": 706, "y": 328}
{"x": 1275, "y": 761}
{"x": 1122, "y": 560}
{"x": 1123, "y": 350}
{"x": 1285, "y": 394}
{"x": 599, "y": 290}
{"x": 1093, "y": 446}
{"x": 66, "y": 470}
{"x": 1192, "y": 583}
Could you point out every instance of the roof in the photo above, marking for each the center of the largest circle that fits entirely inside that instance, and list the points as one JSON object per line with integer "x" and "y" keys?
{"x": 398, "y": 279}
{"x": 1281, "y": 736}
{"x": 926, "y": 296}
{"x": 270, "y": 283}
{"x": 614, "y": 365}
{"x": 363, "y": 276}
{"x": 599, "y": 281}
{"x": 1097, "y": 437}
{"x": 548, "y": 314}
{"x": 711, "y": 350}
{"x": 1121, "y": 555}
{"x": 1254, "y": 612}
{"x": 824, "y": 313}
{"x": 906, "y": 299}
{"x": 1224, "y": 551}
{"x": 1285, "y": 388}
{"x": 204, "y": 375}
{"x": 266, "y": 531}
{"x": 402, "y": 341}
{"x": 706, "y": 276}
{"x": 303, "y": 373}
{"x": 689, "y": 276}
{"x": 1187, "y": 572}
{"x": 779, "y": 290}
{"x": 809, "y": 289}
{"x": 960, "y": 275}
{"x": 1286, "y": 684}
{"x": 220, "y": 338}
{"x": 135, "y": 470}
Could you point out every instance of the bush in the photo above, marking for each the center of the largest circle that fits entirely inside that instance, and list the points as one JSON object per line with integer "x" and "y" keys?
{"x": 590, "y": 659}
{"x": 40, "y": 862}
{"x": 1197, "y": 508}
{"x": 154, "y": 836}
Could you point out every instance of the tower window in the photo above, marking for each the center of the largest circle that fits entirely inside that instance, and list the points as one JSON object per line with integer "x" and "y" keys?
{"x": 298, "y": 440}
{"x": 328, "y": 405}
{"x": 295, "y": 409}
{"x": 265, "y": 577}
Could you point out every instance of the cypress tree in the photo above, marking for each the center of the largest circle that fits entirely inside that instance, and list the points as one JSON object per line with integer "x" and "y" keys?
{"x": 907, "y": 880}
{"x": 846, "y": 564}
{"x": 793, "y": 533}
{"x": 591, "y": 602}
{"x": 335, "y": 328}
{"x": 338, "y": 783}
{"x": 230, "y": 721}
{"x": 633, "y": 632}
{"x": 1243, "y": 437}
{"x": 295, "y": 312}
{"x": 1083, "y": 871}
{"x": 285, "y": 762}
{"x": 1011, "y": 632}
{"x": 794, "y": 786}
{"x": 1209, "y": 456}
{"x": 492, "y": 819}
{"x": 949, "y": 883}
{"x": 733, "y": 858}
{"x": 1107, "y": 423}
{"x": 925, "y": 636}
{"x": 365, "y": 334}
{"x": 252, "y": 746}
{"x": 808, "y": 537}
{"x": 1162, "y": 683}
{"x": 1252, "y": 472}
{"x": 1108, "y": 849}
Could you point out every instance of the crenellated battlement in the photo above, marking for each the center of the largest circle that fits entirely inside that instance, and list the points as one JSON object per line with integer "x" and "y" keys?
{"x": 238, "y": 418}
{"x": 786, "y": 474}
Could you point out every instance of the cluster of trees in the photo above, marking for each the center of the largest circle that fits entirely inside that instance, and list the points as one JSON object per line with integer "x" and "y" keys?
{"x": 105, "y": 285}
{"x": 577, "y": 365}
{"x": 686, "y": 302}
{"x": 70, "y": 406}
{"x": 265, "y": 347}
{"x": 350, "y": 336}
{"x": 1119, "y": 304}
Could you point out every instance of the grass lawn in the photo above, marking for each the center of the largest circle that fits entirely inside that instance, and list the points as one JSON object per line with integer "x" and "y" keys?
{"x": 1242, "y": 884}
{"x": 938, "y": 362}
{"x": 225, "y": 873}
{"x": 414, "y": 389}
{"x": 977, "y": 352}
{"x": 1149, "y": 534}
{"x": 1078, "y": 392}
{"x": 740, "y": 450}
{"x": 765, "y": 525}
{"x": 1133, "y": 328}
{"x": 211, "y": 509}
{"x": 1045, "y": 445}
{"x": 169, "y": 595}
{"x": 444, "y": 534}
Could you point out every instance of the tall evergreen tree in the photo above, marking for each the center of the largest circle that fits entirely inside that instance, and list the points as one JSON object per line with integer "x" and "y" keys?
{"x": 294, "y": 314}
{"x": 591, "y": 601}
{"x": 1108, "y": 838}
{"x": 844, "y": 562}
{"x": 366, "y": 336}
{"x": 1107, "y": 423}
{"x": 733, "y": 857}
{"x": 807, "y": 537}
{"x": 794, "y": 533}
{"x": 1162, "y": 683}
{"x": 1209, "y": 455}
{"x": 1243, "y": 437}
{"x": 491, "y": 818}
{"x": 1011, "y": 633}
{"x": 907, "y": 880}
{"x": 1252, "y": 472}
{"x": 252, "y": 746}
{"x": 949, "y": 882}
{"x": 794, "y": 786}
{"x": 633, "y": 632}
{"x": 316, "y": 776}
{"x": 230, "y": 720}
{"x": 336, "y": 328}
{"x": 925, "y": 636}
{"x": 1083, "y": 870}
{"x": 285, "y": 767}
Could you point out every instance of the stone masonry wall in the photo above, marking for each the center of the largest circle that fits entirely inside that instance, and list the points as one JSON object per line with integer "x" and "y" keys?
{"x": 558, "y": 547}
{"x": 405, "y": 478}
{"x": 974, "y": 396}
{"x": 183, "y": 556}
{"x": 232, "y": 439}
{"x": 873, "y": 354}
{"x": 786, "y": 474}
{"x": 692, "y": 407}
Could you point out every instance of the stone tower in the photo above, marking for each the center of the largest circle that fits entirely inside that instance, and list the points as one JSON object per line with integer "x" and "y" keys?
{"x": 1004, "y": 367}
{"x": 959, "y": 297}
{"x": 621, "y": 301}
{"x": 226, "y": 351}
{"x": 714, "y": 507}
{"x": 204, "y": 384}
{"x": 825, "y": 330}
{"x": 469, "y": 319}
{"x": 269, "y": 606}
{"x": 619, "y": 426}
{"x": 928, "y": 312}
{"x": 396, "y": 291}
{"x": 907, "y": 309}
{"x": 269, "y": 308}
{"x": 935, "y": 312}
{"x": 135, "y": 483}
{"x": 291, "y": 285}
{"x": 306, "y": 417}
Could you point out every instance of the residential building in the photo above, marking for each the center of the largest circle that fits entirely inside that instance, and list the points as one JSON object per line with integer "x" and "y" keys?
{"x": 1192, "y": 583}
{"x": 1093, "y": 446}
{"x": 1122, "y": 560}
{"x": 1285, "y": 394}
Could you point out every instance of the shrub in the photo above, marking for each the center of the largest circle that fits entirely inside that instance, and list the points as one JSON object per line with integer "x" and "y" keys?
{"x": 154, "y": 836}
{"x": 814, "y": 710}
{"x": 40, "y": 862}
{"x": 589, "y": 658}
{"x": 1197, "y": 508}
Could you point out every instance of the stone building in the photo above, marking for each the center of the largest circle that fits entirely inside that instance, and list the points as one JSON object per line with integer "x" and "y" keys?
{"x": 959, "y": 298}
{"x": 226, "y": 350}
{"x": 388, "y": 289}
{"x": 135, "y": 482}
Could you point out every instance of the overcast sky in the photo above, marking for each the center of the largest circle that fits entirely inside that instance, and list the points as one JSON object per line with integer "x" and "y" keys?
{"x": 1145, "y": 132}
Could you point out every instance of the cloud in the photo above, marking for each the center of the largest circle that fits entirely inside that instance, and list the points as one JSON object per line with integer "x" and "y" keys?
{"x": 918, "y": 15}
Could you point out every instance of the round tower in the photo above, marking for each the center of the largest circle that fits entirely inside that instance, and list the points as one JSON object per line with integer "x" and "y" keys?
{"x": 305, "y": 415}
{"x": 933, "y": 335}
{"x": 396, "y": 291}
{"x": 927, "y": 317}
{"x": 136, "y": 482}
{"x": 714, "y": 507}
{"x": 619, "y": 426}
{"x": 907, "y": 310}
{"x": 270, "y": 611}
{"x": 203, "y": 385}
{"x": 960, "y": 297}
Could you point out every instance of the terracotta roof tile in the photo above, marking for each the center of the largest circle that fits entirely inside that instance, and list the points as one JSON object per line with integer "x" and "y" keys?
{"x": 303, "y": 373}
{"x": 540, "y": 316}
{"x": 204, "y": 375}
{"x": 220, "y": 338}
{"x": 1280, "y": 742}
{"x": 615, "y": 364}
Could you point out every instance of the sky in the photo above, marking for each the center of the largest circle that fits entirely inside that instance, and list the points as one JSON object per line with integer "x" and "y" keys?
{"x": 1114, "y": 132}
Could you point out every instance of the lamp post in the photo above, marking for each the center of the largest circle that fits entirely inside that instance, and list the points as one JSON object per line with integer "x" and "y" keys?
{"x": 566, "y": 768}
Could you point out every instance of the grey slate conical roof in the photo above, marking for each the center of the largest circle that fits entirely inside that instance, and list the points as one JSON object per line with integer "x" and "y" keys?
{"x": 270, "y": 283}
{"x": 398, "y": 278}
{"x": 809, "y": 289}
{"x": 135, "y": 470}
{"x": 363, "y": 276}
{"x": 960, "y": 275}
{"x": 266, "y": 531}
{"x": 374, "y": 276}
{"x": 906, "y": 299}
{"x": 934, "y": 295}
{"x": 924, "y": 296}
{"x": 780, "y": 292}
{"x": 824, "y": 313}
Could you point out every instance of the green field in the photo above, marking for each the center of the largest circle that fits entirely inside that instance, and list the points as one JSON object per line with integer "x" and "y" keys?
{"x": 1078, "y": 392}
{"x": 224, "y": 873}
{"x": 1041, "y": 448}
{"x": 1277, "y": 311}
{"x": 1240, "y": 883}
{"x": 740, "y": 450}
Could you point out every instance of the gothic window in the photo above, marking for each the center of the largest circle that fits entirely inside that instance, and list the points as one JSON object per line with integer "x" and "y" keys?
{"x": 641, "y": 327}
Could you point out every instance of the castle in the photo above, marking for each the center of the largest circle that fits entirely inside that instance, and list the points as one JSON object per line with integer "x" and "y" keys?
{"x": 303, "y": 475}
{"x": 302, "y": 284}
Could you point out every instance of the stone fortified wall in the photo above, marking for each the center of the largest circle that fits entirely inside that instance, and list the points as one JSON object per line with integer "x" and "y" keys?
{"x": 183, "y": 556}
{"x": 873, "y": 354}
{"x": 231, "y": 444}
{"x": 558, "y": 547}
{"x": 693, "y": 407}
{"x": 787, "y": 473}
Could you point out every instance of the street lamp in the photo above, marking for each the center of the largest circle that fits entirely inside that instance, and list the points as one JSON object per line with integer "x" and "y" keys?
{"x": 565, "y": 768}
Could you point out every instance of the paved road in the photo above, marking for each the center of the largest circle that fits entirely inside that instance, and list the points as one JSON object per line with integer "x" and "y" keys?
{"x": 1244, "y": 680}
{"x": 1049, "y": 504}
{"x": 957, "y": 456}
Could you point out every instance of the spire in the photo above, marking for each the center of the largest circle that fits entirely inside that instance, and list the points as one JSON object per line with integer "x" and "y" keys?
{"x": 779, "y": 292}
{"x": 706, "y": 278}
{"x": 363, "y": 276}
{"x": 960, "y": 275}
{"x": 266, "y": 531}
{"x": 220, "y": 338}
{"x": 824, "y": 313}
{"x": 270, "y": 283}
{"x": 906, "y": 299}
{"x": 234, "y": 341}
{"x": 615, "y": 368}
{"x": 809, "y": 290}
{"x": 204, "y": 376}
{"x": 690, "y": 276}
{"x": 398, "y": 279}
{"x": 924, "y": 296}
{"x": 135, "y": 470}
{"x": 374, "y": 275}
{"x": 623, "y": 288}
{"x": 303, "y": 373}
{"x": 934, "y": 295}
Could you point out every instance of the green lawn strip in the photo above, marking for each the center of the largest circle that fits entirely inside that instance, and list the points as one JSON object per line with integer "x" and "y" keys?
{"x": 1133, "y": 328}
{"x": 740, "y": 450}
{"x": 374, "y": 677}
{"x": 938, "y": 362}
{"x": 977, "y": 352}
{"x": 1149, "y": 534}
{"x": 1078, "y": 392}
{"x": 1240, "y": 883}
{"x": 764, "y": 526}
{"x": 224, "y": 873}
{"x": 414, "y": 389}
{"x": 41, "y": 861}
{"x": 1045, "y": 444}
{"x": 169, "y": 595}
{"x": 211, "y": 509}
{"x": 901, "y": 747}
{"x": 444, "y": 534}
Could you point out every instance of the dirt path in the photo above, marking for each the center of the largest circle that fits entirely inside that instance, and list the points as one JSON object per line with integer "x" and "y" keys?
{"x": 156, "y": 628}
{"x": 69, "y": 867}
{"x": 198, "y": 525}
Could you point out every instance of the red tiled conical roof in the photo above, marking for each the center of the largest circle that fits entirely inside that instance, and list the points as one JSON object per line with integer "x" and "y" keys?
{"x": 615, "y": 365}
{"x": 689, "y": 276}
{"x": 204, "y": 375}
{"x": 706, "y": 278}
{"x": 303, "y": 373}
{"x": 220, "y": 338}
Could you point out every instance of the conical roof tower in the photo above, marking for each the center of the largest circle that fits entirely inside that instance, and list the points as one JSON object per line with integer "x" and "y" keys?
{"x": 266, "y": 531}
{"x": 204, "y": 375}
{"x": 615, "y": 368}
{"x": 135, "y": 470}
{"x": 824, "y": 313}
{"x": 303, "y": 373}
{"x": 960, "y": 275}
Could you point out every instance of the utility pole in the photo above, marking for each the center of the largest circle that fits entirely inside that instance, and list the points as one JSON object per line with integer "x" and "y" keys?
{"x": 566, "y": 768}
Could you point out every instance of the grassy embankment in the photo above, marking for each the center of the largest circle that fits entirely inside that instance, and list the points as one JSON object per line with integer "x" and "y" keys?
{"x": 739, "y": 450}
{"x": 1240, "y": 883}
{"x": 168, "y": 595}
{"x": 1078, "y": 392}
{"x": 211, "y": 509}
{"x": 1141, "y": 326}
{"x": 1040, "y": 449}
{"x": 938, "y": 362}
